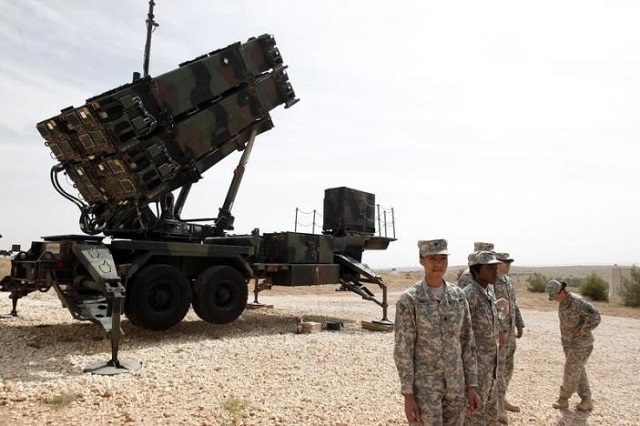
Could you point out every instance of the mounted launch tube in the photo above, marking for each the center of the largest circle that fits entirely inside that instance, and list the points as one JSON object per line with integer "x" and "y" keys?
{"x": 132, "y": 145}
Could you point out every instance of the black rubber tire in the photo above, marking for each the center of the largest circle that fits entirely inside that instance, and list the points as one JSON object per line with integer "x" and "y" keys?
{"x": 220, "y": 294}
{"x": 157, "y": 297}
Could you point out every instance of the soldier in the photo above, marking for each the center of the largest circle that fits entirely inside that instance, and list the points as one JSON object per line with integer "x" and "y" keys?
{"x": 511, "y": 327}
{"x": 486, "y": 330}
{"x": 465, "y": 278}
{"x": 577, "y": 319}
{"x": 434, "y": 347}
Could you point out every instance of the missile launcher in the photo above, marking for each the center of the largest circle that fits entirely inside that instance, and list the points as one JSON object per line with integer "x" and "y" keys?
{"x": 131, "y": 148}
{"x": 135, "y": 144}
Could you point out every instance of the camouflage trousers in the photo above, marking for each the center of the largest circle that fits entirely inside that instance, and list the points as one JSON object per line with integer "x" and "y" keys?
{"x": 488, "y": 415}
{"x": 439, "y": 405}
{"x": 505, "y": 363}
{"x": 575, "y": 375}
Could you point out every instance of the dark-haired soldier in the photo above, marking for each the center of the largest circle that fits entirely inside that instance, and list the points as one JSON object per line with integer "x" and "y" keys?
{"x": 577, "y": 319}
{"x": 486, "y": 330}
{"x": 465, "y": 277}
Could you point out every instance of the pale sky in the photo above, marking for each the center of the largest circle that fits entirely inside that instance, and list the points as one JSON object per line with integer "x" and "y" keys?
{"x": 516, "y": 123}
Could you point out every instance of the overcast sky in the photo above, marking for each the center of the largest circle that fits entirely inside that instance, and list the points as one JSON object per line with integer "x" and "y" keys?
{"x": 516, "y": 123}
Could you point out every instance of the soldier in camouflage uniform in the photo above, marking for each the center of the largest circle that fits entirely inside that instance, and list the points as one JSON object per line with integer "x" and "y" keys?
{"x": 511, "y": 326}
{"x": 465, "y": 278}
{"x": 577, "y": 319}
{"x": 486, "y": 330}
{"x": 434, "y": 346}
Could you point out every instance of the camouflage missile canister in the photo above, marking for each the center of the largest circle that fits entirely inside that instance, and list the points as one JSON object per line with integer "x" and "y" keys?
{"x": 129, "y": 146}
{"x": 348, "y": 211}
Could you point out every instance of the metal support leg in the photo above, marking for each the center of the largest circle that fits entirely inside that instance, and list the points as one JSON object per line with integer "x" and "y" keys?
{"x": 385, "y": 305}
{"x": 256, "y": 304}
{"x": 14, "y": 306}
{"x": 256, "y": 291}
{"x": 114, "y": 366}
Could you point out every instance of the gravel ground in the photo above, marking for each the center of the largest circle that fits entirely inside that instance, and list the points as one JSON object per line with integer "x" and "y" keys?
{"x": 257, "y": 371}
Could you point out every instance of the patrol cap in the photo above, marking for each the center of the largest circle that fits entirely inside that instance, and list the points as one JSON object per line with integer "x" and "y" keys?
{"x": 504, "y": 257}
{"x": 483, "y": 257}
{"x": 480, "y": 246}
{"x": 432, "y": 247}
{"x": 553, "y": 288}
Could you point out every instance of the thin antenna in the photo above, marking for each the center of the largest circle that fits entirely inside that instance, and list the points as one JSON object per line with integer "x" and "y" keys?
{"x": 151, "y": 25}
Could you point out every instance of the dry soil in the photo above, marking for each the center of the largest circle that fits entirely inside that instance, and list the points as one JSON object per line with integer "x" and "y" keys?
{"x": 257, "y": 371}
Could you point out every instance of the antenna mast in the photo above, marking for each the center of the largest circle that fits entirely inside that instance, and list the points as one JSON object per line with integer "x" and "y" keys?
{"x": 151, "y": 25}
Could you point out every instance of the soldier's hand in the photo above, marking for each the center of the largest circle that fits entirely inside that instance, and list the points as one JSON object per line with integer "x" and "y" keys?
{"x": 411, "y": 410}
{"x": 473, "y": 400}
{"x": 520, "y": 331}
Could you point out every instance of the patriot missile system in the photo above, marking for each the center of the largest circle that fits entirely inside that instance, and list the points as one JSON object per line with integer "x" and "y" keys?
{"x": 128, "y": 150}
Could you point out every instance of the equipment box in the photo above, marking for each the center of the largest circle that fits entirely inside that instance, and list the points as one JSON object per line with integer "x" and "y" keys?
{"x": 300, "y": 275}
{"x": 293, "y": 247}
{"x": 348, "y": 210}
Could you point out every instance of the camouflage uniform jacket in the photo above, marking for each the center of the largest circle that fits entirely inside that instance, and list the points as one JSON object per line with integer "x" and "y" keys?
{"x": 465, "y": 279}
{"x": 434, "y": 340}
{"x": 486, "y": 327}
{"x": 577, "y": 318}
{"x": 504, "y": 288}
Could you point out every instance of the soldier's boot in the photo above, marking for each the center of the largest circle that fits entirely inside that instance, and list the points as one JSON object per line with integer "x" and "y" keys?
{"x": 585, "y": 404}
{"x": 502, "y": 415}
{"x": 561, "y": 403}
{"x": 510, "y": 407}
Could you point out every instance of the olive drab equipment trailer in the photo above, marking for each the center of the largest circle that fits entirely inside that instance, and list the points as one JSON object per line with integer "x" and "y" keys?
{"x": 127, "y": 150}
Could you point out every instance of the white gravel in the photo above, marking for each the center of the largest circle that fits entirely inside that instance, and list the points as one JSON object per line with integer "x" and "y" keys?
{"x": 257, "y": 371}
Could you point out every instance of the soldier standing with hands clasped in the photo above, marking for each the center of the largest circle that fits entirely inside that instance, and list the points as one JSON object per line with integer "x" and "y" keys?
{"x": 486, "y": 330}
{"x": 434, "y": 346}
{"x": 577, "y": 319}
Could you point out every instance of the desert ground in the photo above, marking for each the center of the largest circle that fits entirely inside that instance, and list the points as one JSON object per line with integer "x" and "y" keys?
{"x": 258, "y": 371}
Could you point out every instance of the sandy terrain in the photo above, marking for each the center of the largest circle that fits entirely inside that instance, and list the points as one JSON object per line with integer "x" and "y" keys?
{"x": 257, "y": 371}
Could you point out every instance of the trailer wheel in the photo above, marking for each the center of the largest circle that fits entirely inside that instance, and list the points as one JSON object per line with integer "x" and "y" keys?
{"x": 220, "y": 294}
{"x": 158, "y": 297}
